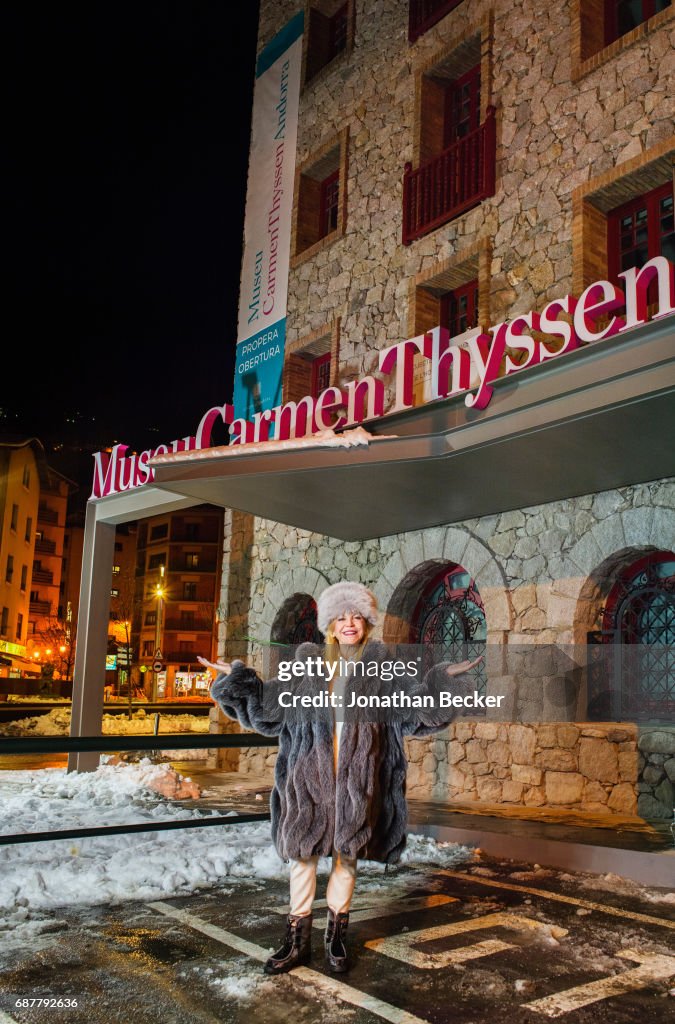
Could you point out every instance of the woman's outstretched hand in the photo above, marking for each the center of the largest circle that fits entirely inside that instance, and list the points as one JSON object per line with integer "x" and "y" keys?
{"x": 462, "y": 666}
{"x": 219, "y": 667}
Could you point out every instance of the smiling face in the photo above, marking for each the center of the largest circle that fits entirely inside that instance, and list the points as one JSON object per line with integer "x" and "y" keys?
{"x": 349, "y": 629}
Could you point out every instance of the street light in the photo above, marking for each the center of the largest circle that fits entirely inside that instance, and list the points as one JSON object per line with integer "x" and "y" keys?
{"x": 159, "y": 594}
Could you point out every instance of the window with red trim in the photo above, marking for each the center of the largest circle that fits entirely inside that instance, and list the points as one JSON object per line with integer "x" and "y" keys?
{"x": 622, "y": 16}
{"x": 459, "y": 309}
{"x": 640, "y": 230}
{"x": 329, "y": 203}
{"x": 320, "y": 374}
{"x": 462, "y": 107}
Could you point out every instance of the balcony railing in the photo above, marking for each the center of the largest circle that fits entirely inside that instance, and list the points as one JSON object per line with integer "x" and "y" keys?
{"x": 181, "y": 626}
{"x": 40, "y": 607}
{"x": 181, "y": 565}
{"x": 47, "y": 547}
{"x": 47, "y": 515}
{"x": 423, "y": 14}
{"x": 185, "y": 657}
{"x": 42, "y": 576}
{"x": 442, "y": 188}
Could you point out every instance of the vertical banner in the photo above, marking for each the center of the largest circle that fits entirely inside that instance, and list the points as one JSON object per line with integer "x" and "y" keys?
{"x": 263, "y": 291}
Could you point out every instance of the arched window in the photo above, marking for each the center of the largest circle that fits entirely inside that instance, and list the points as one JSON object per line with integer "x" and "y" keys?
{"x": 633, "y": 678}
{"x": 449, "y": 619}
{"x": 296, "y": 622}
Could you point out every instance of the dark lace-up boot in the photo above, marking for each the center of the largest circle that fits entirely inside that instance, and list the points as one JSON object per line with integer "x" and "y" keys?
{"x": 297, "y": 946}
{"x": 336, "y": 950}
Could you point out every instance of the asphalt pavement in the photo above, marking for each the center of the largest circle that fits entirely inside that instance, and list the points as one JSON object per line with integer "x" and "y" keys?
{"x": 495, "y": 943}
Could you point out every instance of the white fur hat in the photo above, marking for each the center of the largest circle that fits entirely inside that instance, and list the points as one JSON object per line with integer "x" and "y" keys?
{"x": 345, "y": 597}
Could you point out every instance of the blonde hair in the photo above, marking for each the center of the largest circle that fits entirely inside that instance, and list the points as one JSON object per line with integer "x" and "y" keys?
{"x": 331, "y": 651}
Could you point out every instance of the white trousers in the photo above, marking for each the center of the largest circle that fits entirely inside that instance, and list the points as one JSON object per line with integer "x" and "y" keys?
{"x": 340, "y": 884}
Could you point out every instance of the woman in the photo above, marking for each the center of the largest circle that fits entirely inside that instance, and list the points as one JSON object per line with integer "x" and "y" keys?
{"x": 340, "y": 775}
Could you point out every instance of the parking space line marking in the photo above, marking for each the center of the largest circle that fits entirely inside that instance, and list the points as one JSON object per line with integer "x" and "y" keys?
{"x": 367, "y": 913}
{"x": 588, "y": 904}
{"x": 401, "y": 947}
{"x": 332, "y": 987}
{"x": 653, "y": 967}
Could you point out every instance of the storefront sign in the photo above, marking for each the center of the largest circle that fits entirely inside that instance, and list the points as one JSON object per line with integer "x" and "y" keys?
{"x": 473, "y": 366}
{"x": 16, "y": 649}
{"x": 261, "y": 334}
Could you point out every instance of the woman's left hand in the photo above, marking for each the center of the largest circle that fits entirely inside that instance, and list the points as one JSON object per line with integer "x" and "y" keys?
{"x": 219, "y": 667}
{"x": 463, "y": 666}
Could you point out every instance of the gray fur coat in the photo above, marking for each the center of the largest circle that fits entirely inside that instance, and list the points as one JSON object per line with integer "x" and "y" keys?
{"x": 360, "y": 810}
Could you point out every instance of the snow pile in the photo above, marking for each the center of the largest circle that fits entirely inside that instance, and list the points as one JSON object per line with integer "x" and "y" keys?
{"x": 57, "y": 723}
{"x": 321, "y": 439}
{"x": 142, "y": 866}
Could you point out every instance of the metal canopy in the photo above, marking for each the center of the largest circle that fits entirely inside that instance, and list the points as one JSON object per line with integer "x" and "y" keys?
{"x": 597, "y": 418}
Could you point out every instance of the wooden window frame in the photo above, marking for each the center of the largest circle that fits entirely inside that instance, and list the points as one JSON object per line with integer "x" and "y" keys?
{"x": 649, "y": 201}
{"x": 449, "y": 313}
{"x": 329, "y": 204}
{"x": 611, "y": 27}
{"x": 318, "y": 370}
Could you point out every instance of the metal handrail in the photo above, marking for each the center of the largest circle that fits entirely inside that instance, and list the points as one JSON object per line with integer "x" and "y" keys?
{"x": 72, "y": 744}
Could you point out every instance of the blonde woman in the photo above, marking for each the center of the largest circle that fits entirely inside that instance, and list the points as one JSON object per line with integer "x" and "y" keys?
{"x": 340, "y": 776}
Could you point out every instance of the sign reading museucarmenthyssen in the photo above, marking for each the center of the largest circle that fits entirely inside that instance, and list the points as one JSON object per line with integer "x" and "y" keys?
{"x": 563, "y": 325}
{"x": 263, "y": 292}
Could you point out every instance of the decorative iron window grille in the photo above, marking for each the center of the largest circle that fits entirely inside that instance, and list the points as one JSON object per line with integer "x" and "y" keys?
{"x": 631, "y": 659}
{"x": 449, "y": 620}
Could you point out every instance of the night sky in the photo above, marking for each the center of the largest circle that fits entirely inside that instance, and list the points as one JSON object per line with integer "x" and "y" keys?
{"x": 128, "y": 136}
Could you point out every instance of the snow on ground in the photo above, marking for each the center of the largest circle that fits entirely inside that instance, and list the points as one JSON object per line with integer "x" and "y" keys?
{"x": 39, "y": 877}
{"x": 57, "y": 723}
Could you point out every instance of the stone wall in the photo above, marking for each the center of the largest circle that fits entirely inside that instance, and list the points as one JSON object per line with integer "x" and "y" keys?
{"x": 577, "y": 766}
{"x": 543, "y": 573}
{"x": 554, "y": 134}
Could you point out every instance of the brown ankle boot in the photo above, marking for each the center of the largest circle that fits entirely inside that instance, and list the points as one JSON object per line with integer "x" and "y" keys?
{"x": 296, "y": 949}
{"x": 336, "y": 950}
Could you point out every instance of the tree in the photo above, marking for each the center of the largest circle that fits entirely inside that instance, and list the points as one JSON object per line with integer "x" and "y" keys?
{"x": 123, "y": 606}
{"x": 56, "y": 641}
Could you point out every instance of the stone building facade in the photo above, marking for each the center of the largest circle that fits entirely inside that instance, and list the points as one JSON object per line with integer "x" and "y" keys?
{"x": 583, "y": 131}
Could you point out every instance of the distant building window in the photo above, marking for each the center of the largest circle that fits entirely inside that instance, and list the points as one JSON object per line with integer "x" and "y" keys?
{"x": 622, "y": 16}
{"x": 328, "y": 34}
{"x": 119, "y": 546}
{"x": 26, "y": 476}
{"x": 9, "y": 571}
{"x": 148, "y": 648}
{"x": 187, "y": 617}
{"x": 459, "y": 309}
{"x": 159, "y": 532}
{"x": 640, "y": 230}
{"x": 422, "y": 14}
{"x": 4, "y": 622}
{"x": 320, "y": 374}
{"x": 330, "y": 203}
{"x": 455, "y": 155}
{"x": 19, "y": 626}
{"x": 14, "y": 522}
{"x": 321, "y": 207}
{"x": 66, "y": 540}
{"x": 114, "y": 593}
{"x": 34, "y": 596}
{"x": 191, "y": 560}
{"x": 190, "y": 591}
{"x": 29, "y": 528}
{"x": 24, "y": 577}
{"x": 156, "y": 561}
{"x": 115, "y": 570}
{"x": 185, "y": 646}
{"x": 151, "y": 618}
{"x": 191, "y": 531}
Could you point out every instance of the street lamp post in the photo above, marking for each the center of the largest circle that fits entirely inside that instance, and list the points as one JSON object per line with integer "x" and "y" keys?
{"x": 159, "y": 594}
